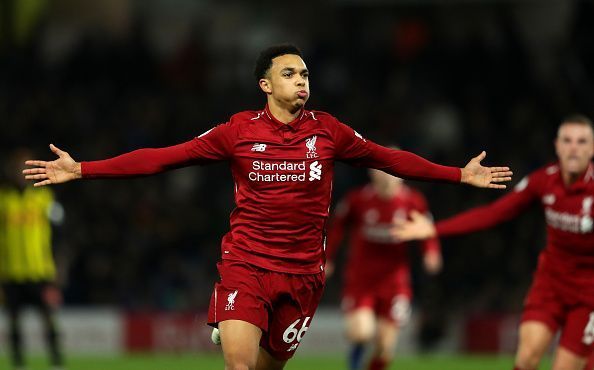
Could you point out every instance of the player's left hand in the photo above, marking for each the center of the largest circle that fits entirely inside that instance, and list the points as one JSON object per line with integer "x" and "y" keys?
{"x": 432, "y": 262}
{"x": 419, "y": 227}
{"x": 485, "y": 177}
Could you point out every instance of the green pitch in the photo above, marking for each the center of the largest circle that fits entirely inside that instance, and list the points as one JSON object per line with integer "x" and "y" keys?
{"x": 214, "y": 362}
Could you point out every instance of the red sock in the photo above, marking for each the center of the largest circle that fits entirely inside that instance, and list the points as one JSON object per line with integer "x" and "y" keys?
{"x": 378, "y": 363}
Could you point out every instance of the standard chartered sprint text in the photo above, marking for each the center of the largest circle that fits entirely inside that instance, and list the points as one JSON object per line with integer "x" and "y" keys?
{"x": 569, "y": 222}
{"x": 285, "y": 171}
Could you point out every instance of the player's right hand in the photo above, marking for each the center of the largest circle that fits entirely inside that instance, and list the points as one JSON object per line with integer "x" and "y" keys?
{"x": 61, "y": 170}
{"x": 433, "y": 262}
{"x": 419, "y": 227}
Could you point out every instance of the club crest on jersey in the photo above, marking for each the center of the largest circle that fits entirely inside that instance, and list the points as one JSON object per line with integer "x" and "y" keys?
{"x": 587, "y": 205}
{"x": 258, "y": 147}
{"x": 586, "y": 222}
{"x": 310, "y": 144}
{"x": 231, "y": 301}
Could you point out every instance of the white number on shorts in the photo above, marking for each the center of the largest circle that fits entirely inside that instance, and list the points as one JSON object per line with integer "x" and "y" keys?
{"x": 589, "y": 331}
{"x": 401, "y": 310}
{"x": 291, "y": 333}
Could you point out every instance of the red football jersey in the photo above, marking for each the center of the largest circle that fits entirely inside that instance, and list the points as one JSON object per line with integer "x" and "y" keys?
{"x": 374, "y": 254}
{"x": 569, "y": 253}
{"x": 283, "y": 180}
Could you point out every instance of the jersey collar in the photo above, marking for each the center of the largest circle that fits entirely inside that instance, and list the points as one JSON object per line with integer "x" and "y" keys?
{"x": 293, "y": 125}
{"x": 583, "y": 181}
{"x": 589, "y": 176}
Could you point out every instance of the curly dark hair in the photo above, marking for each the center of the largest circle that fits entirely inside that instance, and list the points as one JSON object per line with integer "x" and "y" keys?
{"x": 264, "y": 61}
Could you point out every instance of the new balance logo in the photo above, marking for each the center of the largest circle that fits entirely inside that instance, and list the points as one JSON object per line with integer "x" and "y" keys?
{"x": 258, "y": 147}
{"x": 231, "y": 301}
{"x": 315, "y": 171}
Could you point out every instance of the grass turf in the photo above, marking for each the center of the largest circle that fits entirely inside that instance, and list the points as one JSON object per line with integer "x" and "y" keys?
{"x": 214, "y": 361}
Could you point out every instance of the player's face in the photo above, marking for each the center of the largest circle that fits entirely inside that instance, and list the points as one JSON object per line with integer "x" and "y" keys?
{"x": 287, "y": 82}
{"x": 384, "y": 183}
{"x": 575, "y": 147}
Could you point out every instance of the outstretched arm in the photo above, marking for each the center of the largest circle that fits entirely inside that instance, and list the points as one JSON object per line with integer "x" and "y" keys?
{"x": 475, "y": 219}
{"x": 411, "y": 166}
{"x": 213, "y": 145}
{"x": 61, "y": 170}
{"x": 140, "y": 162}
{"x": 354, "y": 149}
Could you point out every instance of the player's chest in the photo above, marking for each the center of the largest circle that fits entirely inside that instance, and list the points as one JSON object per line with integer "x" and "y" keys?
{"x": 285, "y": 160}
{"x": 26, "y": 209}
{"x": 570, "y": 202}
{"x": 376, "y": 220}
{"x": 381, "y": 212}
{"x": 569, "y": 211}
{"x": 284, "y": 143}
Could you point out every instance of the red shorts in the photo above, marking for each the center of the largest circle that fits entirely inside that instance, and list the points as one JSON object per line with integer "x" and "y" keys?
{"x": 549, "y": 303}
{"x": 280, "y": 304}
{"x": 388, "y": 298}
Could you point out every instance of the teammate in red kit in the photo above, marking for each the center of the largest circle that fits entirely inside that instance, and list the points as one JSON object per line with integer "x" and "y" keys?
{"x": 562, "y": 294}
{"x": 282, "y": 160}
{"x": 379, "y": 260}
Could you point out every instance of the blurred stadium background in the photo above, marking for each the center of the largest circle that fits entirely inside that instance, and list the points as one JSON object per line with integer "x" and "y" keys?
{"x": 445, "y": 79}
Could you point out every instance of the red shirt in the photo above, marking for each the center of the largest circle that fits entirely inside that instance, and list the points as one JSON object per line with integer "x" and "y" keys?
{"x": 374, "y": 254}
{"x": 283, "y": 180}
{"x": 569, "y": 253}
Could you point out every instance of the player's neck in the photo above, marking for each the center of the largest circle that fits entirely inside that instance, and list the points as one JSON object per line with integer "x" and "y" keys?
{"x": 386, "y": 193}
{"x": 570, "y": 178}
{"x": 283, "y": 114}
